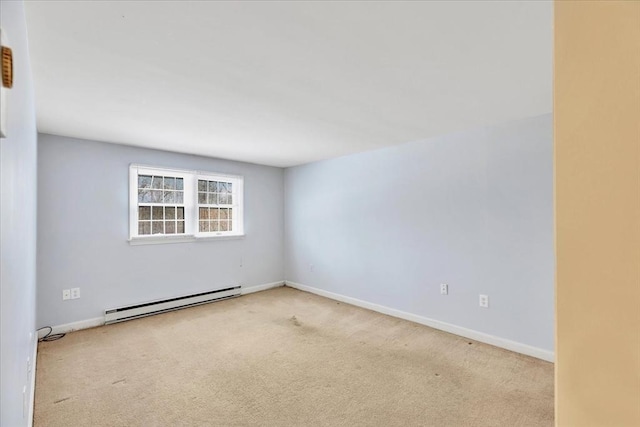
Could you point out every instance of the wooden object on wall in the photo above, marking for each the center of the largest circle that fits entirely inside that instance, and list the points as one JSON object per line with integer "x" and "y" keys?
{"x": 7, "y": 67}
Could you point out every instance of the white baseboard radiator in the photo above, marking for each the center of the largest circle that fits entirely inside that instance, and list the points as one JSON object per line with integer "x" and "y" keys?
{"x": 136, "y": 311}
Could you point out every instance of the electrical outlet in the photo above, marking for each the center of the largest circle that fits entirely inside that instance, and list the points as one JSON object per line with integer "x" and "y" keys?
{"x": 484, "y": 301}
{"x": 444, "y": 289}
{"x": 75, "y": 293}
{"x": 66, "y": 294}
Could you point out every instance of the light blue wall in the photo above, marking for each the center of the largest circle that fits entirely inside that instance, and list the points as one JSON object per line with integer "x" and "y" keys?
{"x": 472, "y": 209}
{"x": 83, "y": 226}
{"x": 17, "y": 225}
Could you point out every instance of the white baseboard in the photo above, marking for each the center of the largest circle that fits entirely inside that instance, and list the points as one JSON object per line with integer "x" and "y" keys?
{"x": 73, "y": 326}
{"x": 258, "y": 288}
{"x": 436, "y": 324}
{"x": 99, "y": 321}
{"x": 32, "y": 395}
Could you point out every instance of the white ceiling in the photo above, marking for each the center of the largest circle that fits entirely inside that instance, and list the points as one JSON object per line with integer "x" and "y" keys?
{"x": 285, "y": 83}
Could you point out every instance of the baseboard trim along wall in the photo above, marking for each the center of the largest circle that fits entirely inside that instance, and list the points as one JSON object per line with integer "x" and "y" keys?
{"x": 32, "y": 396}
{"x": 73, "y": 326}
{"x": 99, "y": 321}
{"x": 436, "y": 324}
{"x": 258, "y": 288}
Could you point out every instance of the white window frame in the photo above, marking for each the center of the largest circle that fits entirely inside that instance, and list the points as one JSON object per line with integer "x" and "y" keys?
{"x": 191, "y": 205}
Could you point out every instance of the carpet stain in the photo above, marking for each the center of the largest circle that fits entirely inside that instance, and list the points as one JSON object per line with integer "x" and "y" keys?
{"x": 62, "y": 400}
{"x": 295, "y": 321}
{"x": 119, "y": 381}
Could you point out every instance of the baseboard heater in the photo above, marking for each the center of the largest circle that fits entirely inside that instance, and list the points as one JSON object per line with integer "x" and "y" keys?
{"x": 136, "y": 311}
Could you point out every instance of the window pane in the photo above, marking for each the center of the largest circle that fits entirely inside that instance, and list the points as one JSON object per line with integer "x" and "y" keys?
{"x": 156, "y": 182}
{"x": 170, "y": 227}
{"x": 222, "y": 187}
{"x": 213, "y": 213}
{"x": 156, "y": 196}
{"x": 230, "y": 225}
{"x": 179, "y": 184}
{"x": 169, "y": 183}
{"x": 144, "y": 227}
{"x": 224, "y": 199}
{"x": 157, "y": 212}
{"x": 179, "y": 197}
{"x": 144, "y": 212}
{"x": 180, "y": 212}
{"x": 202, "y": 185}
{"x": 144, "y": 196}
{"x": 180, "y": 227}
{"x": 224, "y": 225}
{"x": 144, "y": 181}
{"x": 169, "y": 197}
{"x": 214, "y": 226}
{"x": 213, "y": 199}
{"x": 224, "y": 213}
{"x": 170, "y": 213}
{"x": 213, "y": 187}
{"x": 158, "y": 227}
{"x": 204, "y": 226}
{"x": 204, "y": 213}
{"x": 230, "y": 216}
{"x": 202, "y": 198}
{"x": 230, "y": 187}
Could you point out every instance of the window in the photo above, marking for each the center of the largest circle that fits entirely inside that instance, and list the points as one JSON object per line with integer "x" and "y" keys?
{"x": 169, "y": 205}
{"x": 215, "y": 205}
{"x": 160, "y": 204}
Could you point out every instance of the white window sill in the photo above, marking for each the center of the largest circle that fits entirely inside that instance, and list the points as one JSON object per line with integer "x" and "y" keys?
{"x": 221, "y": 237}
{"x": 185, "y": 238}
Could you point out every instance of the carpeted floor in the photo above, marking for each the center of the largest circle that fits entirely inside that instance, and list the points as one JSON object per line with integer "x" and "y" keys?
{"x": 285, "y": 358}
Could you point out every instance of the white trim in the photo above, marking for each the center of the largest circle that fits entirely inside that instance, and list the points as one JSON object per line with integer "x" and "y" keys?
{"x": 259, "y": 288}
{"x": 436, "y": 324}
{"x": 32, "y": 397}
{"x": 74, "y": 326}
{"x": 164, "y": 168}
{"x": 161, "y": 239}
{"x": 221, "y": 237}
{"x": 146, "y": 167}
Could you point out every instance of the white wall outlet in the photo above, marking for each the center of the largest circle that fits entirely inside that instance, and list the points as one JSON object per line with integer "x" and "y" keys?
{"x": 66, "y": 294}
{"x": 444, "y": 289}
{"x": 484, "y": 301}
{"x": 75, "y": 293}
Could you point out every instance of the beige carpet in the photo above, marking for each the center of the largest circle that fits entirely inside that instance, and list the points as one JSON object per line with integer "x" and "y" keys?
{"x": 285, "y": 358}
